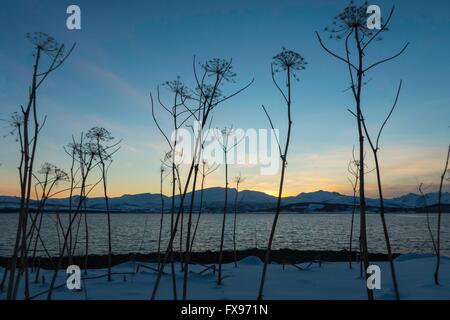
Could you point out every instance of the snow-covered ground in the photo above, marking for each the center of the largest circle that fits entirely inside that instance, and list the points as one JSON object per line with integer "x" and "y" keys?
{"x": 331, "y": 280}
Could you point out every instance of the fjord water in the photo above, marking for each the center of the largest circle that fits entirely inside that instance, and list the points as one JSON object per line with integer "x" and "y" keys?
{"x": 324, "y": 231}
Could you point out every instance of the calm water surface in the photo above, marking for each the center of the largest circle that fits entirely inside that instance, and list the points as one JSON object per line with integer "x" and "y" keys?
{"x": 139, "y": 232}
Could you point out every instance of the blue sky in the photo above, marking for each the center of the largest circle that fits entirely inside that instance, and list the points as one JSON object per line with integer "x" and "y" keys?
{"x": 126, "y": 48}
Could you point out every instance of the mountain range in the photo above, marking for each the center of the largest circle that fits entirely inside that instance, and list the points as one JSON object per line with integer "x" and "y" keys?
{"x": 247, "y": 201}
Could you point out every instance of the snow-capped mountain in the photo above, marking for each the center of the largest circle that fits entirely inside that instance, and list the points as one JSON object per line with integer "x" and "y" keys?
{"x": 248, "y": 201}
{"x": 415, "y": 200}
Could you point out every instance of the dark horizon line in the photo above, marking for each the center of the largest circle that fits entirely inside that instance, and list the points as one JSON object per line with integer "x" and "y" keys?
{"x": 234, "y": 189}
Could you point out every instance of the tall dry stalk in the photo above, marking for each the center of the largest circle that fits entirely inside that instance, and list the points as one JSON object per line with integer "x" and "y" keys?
{"x": 375, "y": 148}
{"x": 238, "y": 180}
{"x": 52, "y": 176}
{"x": 161, "y": 219}
{"x": 224, "y": 141}
{"x": 351, "y": 25}
{"x": 206, "y": 171}
{"x": 353, "y": 169}
{"x": 427, "y": 213}
{"x": 87, "y": 153}
{"x": 438, "y": 233}
{"x": 289, "y": 62}
{"x": 100, "y": 137}
{"x": 178, "y": 119}
{"x": 210, "y": 97}
{"x": 28, "y": 135}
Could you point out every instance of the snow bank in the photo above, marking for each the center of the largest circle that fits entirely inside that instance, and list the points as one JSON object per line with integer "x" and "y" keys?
{"x": 413, "y": 256}
{"x": 332, "y": 280}
{"x": 251, "y": 261}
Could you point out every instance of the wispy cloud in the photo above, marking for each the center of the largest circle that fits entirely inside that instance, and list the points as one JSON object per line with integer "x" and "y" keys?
{"x": 115, "y": 81}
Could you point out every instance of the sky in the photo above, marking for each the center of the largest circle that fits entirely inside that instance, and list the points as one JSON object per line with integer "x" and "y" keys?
{"x": 125, "y": 49}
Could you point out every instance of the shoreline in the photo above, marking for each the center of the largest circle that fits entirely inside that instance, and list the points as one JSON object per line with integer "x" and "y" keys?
{"x": 327, "y": 209}
{"x": 281, "y": 256}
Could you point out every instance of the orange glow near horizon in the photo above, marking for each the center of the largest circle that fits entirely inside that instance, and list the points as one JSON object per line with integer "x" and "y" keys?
{"x": 401, "y": 171}
{"x": 371, "y": 191}
{"x": 115, "y": 191}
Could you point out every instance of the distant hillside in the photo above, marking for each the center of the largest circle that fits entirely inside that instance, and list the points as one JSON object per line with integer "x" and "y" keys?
{"x": 248, "y": 201}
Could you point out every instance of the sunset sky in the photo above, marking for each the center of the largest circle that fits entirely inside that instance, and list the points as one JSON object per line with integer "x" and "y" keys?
{"x": 126, "y": 48}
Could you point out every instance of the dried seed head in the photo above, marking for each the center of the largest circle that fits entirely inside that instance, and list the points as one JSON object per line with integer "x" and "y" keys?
{"x": 178, "y": 87}
{"x": 47, "y": 44}
{"x": 354, "y": 18}
{"x": 99, "y": 134}
{"x": 220, "y": 68}
{"x": 288, "y": 60}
